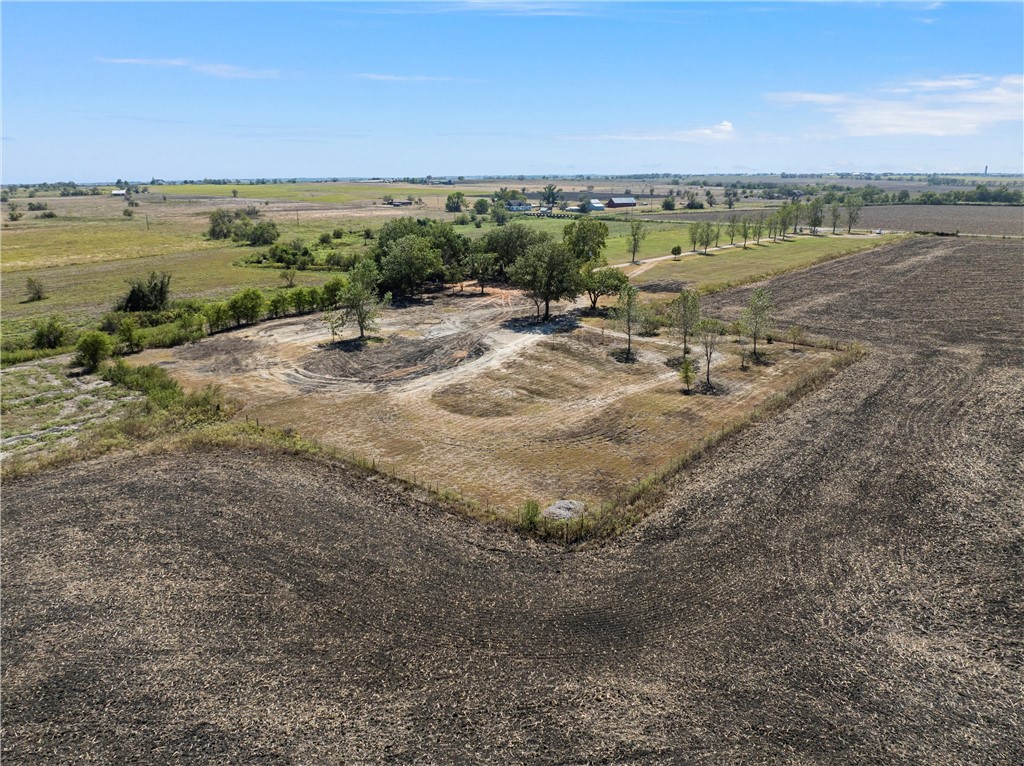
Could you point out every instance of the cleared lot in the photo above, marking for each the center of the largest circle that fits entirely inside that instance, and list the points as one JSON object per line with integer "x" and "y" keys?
{"x": 839, "y": 585}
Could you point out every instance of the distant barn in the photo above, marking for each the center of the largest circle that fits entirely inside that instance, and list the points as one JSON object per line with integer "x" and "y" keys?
{"x": 595, "y": 204}
{"x": 518, "y": 206}
{"x": 621, "y": 202}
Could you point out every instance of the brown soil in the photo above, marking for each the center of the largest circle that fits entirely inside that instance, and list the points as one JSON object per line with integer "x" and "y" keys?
{"x": 398, "y": 359}
{"x": 842, "y": 584}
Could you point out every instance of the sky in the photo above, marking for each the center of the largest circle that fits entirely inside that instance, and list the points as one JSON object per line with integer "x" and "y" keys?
{"x": 99, "y": 91}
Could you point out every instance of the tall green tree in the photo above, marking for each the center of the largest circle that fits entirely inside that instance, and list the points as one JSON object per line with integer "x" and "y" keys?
{"x": 757, "y": 316}
{"x": 628, "y": 314}
{"x": 359, "y": 301}
{"x": 455, "y": 202}
{"x": 637, "y": 234}
{"x": 852, "y": 204}
{"x": 600, "y": 280}
{"x": 550, "y": 195}
{"x": 585, "y": 238}
{"x": 685, "y": 312}
{"x": 547, "y": 272}
{"x": 835, "y": 214}
{"x": 408, "y": 264}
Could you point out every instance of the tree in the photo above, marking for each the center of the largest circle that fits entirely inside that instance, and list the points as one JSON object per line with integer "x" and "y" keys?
{"x": 637, "y": 234}
{"x": 508, "y": 244}
{"x": 757, "y": 316}
{"x": 35, "y": 289}
{"x": 795, "y": 335}
{"x": 246, "y": 306}
{"x": 479, "y": 265}
{"x": 694, "y": 231}
{"x": 359, "y": 301}
{"x": 669, "y": 203}
{"x": 834, "y": 214}
{"x": 687, "y": 371}
{"x": 217, "y": 315}
{"x": 685, "y": 309}
{"x": 549, "y": 195}
{"x": 853, "y": 204}
{"x": 816, "y": 214}
{"x": 585, "y": 238}
{"x": 732, "y": 226}
{"x": 547, "y": 272}
{"x": 234, "y": 193}
{"x": 499, "y": 213}
{"x": 288, "y": 277}
{"x": 455, "y": 202}
{"x": 481, "y": 206}
{"x": 745, "y": 231}
{"x": 600, "y": 280}
{"x": 408, "y": 264}
{"x": 709, "y": 332}
{"x": 222, "y": 224}
{"x": 757, "y": 227}
{"x": 93, "y": 348}
{"x": 627, "y": 315}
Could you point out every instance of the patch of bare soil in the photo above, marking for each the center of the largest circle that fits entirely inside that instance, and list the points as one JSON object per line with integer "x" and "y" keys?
{"x": 398, "y": 359}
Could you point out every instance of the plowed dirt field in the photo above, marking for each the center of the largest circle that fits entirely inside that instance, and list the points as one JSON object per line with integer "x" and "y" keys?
{"x": 842, "y": 584}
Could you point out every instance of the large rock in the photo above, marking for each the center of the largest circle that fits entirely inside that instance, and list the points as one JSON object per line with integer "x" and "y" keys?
{"x": 564, "y": 509}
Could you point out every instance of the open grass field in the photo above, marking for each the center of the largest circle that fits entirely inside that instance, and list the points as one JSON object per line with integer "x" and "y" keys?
{"x": 840, "y": 584}
{"x": 466, "y": 394}
{"x": 733, "y": 265}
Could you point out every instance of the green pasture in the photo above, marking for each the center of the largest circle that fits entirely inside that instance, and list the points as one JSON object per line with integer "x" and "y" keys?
{"x": 721, "y": 268}
{"x": 340, "y": 192}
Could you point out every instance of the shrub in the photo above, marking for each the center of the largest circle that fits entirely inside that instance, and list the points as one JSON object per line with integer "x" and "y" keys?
{"x": 51, "y": 333}
{"x": 677, "y": 250}
{"x": 127, "y": 212}
{"x": 217, "y": 316}
{"x": 36, "y": 291}
{"x": 128, "y": 336}
{"x": 325, "y": 238}
{"x": 148, "y": 295}
{"x": 649, "y": 323}
{"x": 47, "y": 214}
{"x": 338, "y": 233}
{"x": 247, "y": 306}
{"x": 94, "y": 347}
{"x": 529, "y": 515}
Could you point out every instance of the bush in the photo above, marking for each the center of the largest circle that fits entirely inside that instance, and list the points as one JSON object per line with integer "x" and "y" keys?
{"x": 325, "y": 238}
{"x": 148, "y": 295}
{"x": 677, "y": 250}
{"x": 94, "y": 347}
{"x": 150, "y": 380}
{"x": 51, "y": 333}
{"x": 217, "y": 316}
{"x": 47, "y": 214}
{"x": 247, "y": 306}
{"x": 338, "y": 233}
{"x": 128, "y": 336}
{"x": 529, "y": 515}
{"x": 127, "y": 212}
{"x": 36, "y": 291}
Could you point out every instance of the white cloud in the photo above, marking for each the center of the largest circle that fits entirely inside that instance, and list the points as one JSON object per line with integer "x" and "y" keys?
{"x": 960, "y": 105}
{"x": 223, "y": 71}
{"x": 720, "y": 132}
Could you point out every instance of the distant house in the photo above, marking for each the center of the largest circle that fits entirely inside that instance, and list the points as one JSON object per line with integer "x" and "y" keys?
{"x": 621, "y": 202}
{"x": 401, "y": 203}
{"x": 518, "y": 206}
{"x": 595, "y": 204}
{"x": 118, "y": 192}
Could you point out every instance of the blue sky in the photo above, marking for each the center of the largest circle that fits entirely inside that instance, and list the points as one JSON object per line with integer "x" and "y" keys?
{"x": 238, "y": 90}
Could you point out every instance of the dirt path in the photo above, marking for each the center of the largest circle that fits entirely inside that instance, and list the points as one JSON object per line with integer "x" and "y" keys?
{"x": 840, "y": 585}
